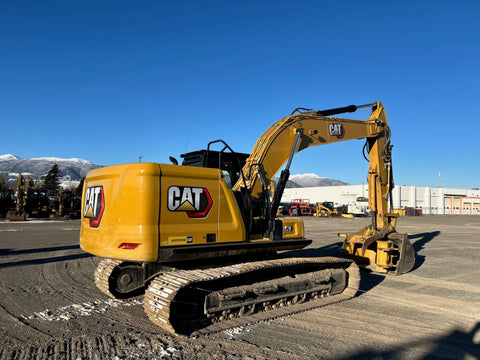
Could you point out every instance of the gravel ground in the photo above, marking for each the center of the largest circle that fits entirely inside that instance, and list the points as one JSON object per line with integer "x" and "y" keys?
{"x": 50, "y": 307}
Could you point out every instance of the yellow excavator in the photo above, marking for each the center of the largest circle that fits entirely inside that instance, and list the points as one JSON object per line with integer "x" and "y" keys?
{"x": 202, "y": 241}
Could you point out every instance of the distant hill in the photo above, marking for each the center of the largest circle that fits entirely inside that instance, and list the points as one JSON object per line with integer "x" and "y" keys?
{"x": 311, "y": 180}
{"x": 71, "y": 170}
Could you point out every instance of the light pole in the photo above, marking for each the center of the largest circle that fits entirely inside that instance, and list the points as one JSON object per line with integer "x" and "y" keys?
{"x": 140, "y": 158}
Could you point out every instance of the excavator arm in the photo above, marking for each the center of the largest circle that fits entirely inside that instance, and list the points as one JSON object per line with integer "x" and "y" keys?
{"x": 297, "y": 132}
{"x": 378, "y": 245}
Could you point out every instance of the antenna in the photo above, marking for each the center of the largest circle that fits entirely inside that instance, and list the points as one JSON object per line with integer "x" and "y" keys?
{"x": 439, "y": 179}
{"x": 186, "y": 142}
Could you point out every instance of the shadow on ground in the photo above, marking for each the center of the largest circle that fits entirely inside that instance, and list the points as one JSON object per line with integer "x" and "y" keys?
{"x": 6, "y": 252}
{"x": 457, "y": 344}
{"x": 418, "y": 245}
{"x": 44, "y": 260}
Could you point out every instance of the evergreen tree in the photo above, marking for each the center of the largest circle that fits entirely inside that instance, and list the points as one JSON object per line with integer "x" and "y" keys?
{"x": 51, "y": 182}
{"x": 3, "y": 183}
{"x": 79, "y": 189}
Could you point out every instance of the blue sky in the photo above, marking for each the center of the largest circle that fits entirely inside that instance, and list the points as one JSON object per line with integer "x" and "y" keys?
{"x": 109, "y": 81}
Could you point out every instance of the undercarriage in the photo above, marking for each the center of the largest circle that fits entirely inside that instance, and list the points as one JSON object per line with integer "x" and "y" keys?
{"x": 204, "y": 300}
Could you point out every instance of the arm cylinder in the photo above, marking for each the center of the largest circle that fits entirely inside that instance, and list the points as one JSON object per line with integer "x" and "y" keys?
{"x": 345, "y": 109}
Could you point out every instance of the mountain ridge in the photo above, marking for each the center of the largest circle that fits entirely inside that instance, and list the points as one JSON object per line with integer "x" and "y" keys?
{"x": 70, "y": 170}
{"x": 73, "y": 169}
{"x": 310, "y": 180}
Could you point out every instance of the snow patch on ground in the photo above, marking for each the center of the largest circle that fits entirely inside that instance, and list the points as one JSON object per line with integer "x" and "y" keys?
{"x": 237, "y": 331}
{"x": 73, "y": 311}
{"x": 147, "y": 351}
{"x": 15, "y": 174}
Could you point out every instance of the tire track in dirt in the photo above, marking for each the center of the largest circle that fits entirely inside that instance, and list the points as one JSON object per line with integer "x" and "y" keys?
{"x": 84, "y": 299}
{"x": 102, "y": 347}
{"x": 410, "y": 317}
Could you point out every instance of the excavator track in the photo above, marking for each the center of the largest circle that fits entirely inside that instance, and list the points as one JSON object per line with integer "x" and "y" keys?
{"x": 203, "y": 301}
{"x": 119, "y": 279}
{"x": 102, "y": 273}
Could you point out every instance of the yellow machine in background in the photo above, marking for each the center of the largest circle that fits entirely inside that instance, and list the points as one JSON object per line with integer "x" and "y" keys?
{"x": 202, "y": 238}
{"x": 326, "y": 209}
{"x": 31, "y": 201}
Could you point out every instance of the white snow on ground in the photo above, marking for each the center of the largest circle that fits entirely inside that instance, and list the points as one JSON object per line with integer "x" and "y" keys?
{"x": 69, "y": 312}
{"x": 168, "y": 351}
{"x": 237, "y": 331}
{"x": 65, "y": 181}
{"x": 147, "y": 351}
{"x": 234, "y": 332}
{"x": 15, "y": 175}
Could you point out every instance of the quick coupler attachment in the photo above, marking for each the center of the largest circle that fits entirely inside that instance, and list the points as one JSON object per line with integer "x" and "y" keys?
{"x": 380, "y": 251}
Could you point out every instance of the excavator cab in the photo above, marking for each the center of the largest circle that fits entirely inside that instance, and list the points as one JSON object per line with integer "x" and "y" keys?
{"x": 231, "y": 163}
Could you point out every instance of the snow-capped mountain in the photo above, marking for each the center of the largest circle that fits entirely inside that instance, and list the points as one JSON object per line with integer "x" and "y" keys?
{"x": 71, "y": 170}
{"x": 59, "y": 160}
{"x": 310, "y": 180}
{"x": 7, "y": 157}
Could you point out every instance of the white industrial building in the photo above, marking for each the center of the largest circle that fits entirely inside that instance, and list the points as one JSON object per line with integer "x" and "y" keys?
{"x": 422, "y": 200}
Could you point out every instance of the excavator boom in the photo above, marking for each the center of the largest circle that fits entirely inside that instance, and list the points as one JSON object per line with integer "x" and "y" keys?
{"x": 304, "y": 129}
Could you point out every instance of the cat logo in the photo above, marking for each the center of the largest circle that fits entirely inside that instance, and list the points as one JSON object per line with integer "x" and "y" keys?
{"x": 196, "y": 202}
{"x": 336, "y": 130}
{"x": 94, "y": 205}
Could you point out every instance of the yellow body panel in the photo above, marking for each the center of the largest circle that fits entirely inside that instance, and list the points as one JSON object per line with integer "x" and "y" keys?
{"x": 293, "y": 228}
{"x": 147, "y": 204}
{"x": 130, "y": 214}
{"x": 223, "y": 220}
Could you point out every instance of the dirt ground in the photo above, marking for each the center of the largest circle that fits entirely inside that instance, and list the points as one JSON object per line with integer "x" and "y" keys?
{"x": 50, "y": 307}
